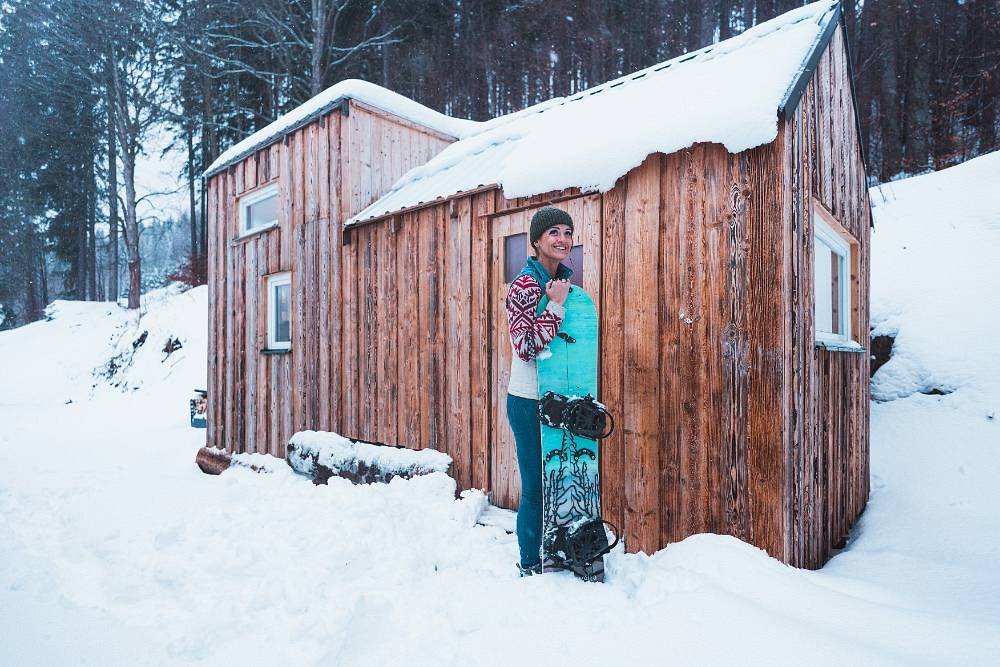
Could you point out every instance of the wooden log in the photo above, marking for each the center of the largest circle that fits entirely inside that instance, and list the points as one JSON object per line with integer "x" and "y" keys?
{"x": 212, "y": 460}
{"x": 360, "y": 461}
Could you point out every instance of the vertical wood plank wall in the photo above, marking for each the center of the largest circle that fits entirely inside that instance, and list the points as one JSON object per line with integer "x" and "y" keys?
{"x": 828, "y": 427}
{"x": 729, "y": 420}
{"x": 324, "y": 171}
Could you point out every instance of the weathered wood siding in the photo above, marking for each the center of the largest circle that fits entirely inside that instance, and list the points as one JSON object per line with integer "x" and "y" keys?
{"x": 324, "y": 171}
{"x": 729, "y": 419}
{"x": 828, "y": 425}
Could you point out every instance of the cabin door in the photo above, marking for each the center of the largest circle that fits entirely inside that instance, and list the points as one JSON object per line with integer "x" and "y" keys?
{"x": 510, "y": 250}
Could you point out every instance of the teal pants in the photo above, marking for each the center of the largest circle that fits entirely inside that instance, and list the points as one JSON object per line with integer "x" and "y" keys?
{"x": 522, "y": 413}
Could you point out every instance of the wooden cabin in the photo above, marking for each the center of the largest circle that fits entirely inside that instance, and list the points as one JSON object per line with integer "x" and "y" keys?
{"x": 732, "y": 290}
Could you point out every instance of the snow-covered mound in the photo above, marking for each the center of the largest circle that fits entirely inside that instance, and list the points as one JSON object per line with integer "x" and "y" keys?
{"x": 85, "y": 346}
{"x": 322, "y": 453}
{"x": 935, "y": 278}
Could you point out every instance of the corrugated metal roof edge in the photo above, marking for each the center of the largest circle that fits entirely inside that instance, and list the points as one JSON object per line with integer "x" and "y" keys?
{"x": 354, "y": 223}
{"x": 359, "y": 218}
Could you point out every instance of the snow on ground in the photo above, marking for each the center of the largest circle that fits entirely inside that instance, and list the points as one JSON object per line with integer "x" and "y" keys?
{"x": 116, "y": 550}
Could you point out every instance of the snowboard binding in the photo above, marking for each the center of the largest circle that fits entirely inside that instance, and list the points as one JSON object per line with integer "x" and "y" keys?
{"x": 584, "y": 417}
{"x": 581, "y": 548}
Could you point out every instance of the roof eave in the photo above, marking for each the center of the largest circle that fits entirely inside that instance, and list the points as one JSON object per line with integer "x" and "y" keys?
{"x": 359, "y": 221}
{"x": 340, "y": 103}
{"x": 794, "y": 93}
{"x": 797, "y": 88}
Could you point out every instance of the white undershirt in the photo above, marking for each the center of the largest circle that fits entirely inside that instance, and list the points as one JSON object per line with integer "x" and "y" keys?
{"x": 524, "y": 374}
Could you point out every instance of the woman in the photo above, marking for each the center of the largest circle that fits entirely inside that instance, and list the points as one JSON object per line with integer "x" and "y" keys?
{"x": 530, "y": 332}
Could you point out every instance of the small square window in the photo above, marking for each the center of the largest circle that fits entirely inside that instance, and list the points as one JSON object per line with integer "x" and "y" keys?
{"x": 279, "y": 311}
{"x": 259, "y": 209}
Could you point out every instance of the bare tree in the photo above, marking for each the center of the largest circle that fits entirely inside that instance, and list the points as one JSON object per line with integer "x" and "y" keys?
{"x": 272, "y": 39}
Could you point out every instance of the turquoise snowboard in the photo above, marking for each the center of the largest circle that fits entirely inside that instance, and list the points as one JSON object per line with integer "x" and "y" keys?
{"x": 571, "y": 485}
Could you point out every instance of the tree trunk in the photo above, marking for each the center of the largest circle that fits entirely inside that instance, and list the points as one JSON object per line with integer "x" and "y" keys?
{"x": 92, "y": 229}
{"x": 80, "y": 278}
{"x": 112, "y": 198}
{"x": 316, "y": 73}
{"x": 131, "y": 231}
{"x": 193, "y": 211}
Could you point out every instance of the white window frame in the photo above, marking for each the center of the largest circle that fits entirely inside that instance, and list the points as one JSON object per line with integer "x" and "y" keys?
{"x": 273, "y": 281}
{"x": 824, "y": 232}
{"x": 254, "y": 197}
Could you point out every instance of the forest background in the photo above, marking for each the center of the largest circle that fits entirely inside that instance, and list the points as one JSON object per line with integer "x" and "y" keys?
{"x": 90, "y": 89}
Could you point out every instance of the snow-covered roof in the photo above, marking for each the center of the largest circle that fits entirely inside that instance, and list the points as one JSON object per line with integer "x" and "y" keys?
{"x": 728, "y": 93}
{"x": 363, "y": 91}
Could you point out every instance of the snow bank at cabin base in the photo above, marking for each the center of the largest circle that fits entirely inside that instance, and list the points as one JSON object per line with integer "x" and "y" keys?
{"x": 322, "y": 455}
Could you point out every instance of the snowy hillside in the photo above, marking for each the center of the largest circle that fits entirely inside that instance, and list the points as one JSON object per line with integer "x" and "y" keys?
{"x": 116, "y": 550}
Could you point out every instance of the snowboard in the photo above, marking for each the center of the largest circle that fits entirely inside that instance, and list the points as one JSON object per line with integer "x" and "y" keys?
{"x": 571, "y": 485}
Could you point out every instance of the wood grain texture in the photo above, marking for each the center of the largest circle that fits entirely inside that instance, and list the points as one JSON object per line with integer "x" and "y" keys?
{"x": 611, "y": 312}
{"x": 480, "y": 376}
{"x": 729, "y": 418}
{"x": 828, "y": 431}
{"x": 640, "y": 418}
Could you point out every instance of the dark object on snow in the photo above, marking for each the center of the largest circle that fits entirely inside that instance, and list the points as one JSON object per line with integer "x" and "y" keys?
{"x": 582, "y": 547}
{"x": 172, "y": 345}
{"x": 213, "y": 461}
{"x": 140, "y": 341}
{"x": 584, "y": 417}
{"x": 199, "y": 408}
{"x": 881, "y": 351}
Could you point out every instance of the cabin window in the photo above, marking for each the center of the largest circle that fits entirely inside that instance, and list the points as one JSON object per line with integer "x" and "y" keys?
{"x": 515, "y": 251}
{"x": 279, "y": 311}
{"x": 259, "y": 209}
{"x": 575, "y": 262}
{"x": 833, "y": 283}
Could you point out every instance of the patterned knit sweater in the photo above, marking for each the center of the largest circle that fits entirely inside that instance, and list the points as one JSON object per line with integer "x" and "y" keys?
{"x": 529, "y": 333}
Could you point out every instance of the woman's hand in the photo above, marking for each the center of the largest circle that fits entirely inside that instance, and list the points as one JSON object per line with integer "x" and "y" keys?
{"x": 557, "y": 290}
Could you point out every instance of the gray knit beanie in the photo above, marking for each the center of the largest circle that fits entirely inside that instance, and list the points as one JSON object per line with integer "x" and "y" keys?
{"x": 548, "y": 217}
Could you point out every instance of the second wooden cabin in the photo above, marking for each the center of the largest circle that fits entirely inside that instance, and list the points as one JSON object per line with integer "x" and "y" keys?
{"x": 360, "y": 249}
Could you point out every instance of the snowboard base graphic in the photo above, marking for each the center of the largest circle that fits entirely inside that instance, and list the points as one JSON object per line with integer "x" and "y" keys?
{"x": 571, "y": 495}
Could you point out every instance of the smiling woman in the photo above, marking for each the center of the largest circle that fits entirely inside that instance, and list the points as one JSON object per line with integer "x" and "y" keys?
{"x": 532, "y": 327}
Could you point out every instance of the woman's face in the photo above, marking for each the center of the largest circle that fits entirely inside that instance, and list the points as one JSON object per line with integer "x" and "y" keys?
{"x": 555, "y": 243}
